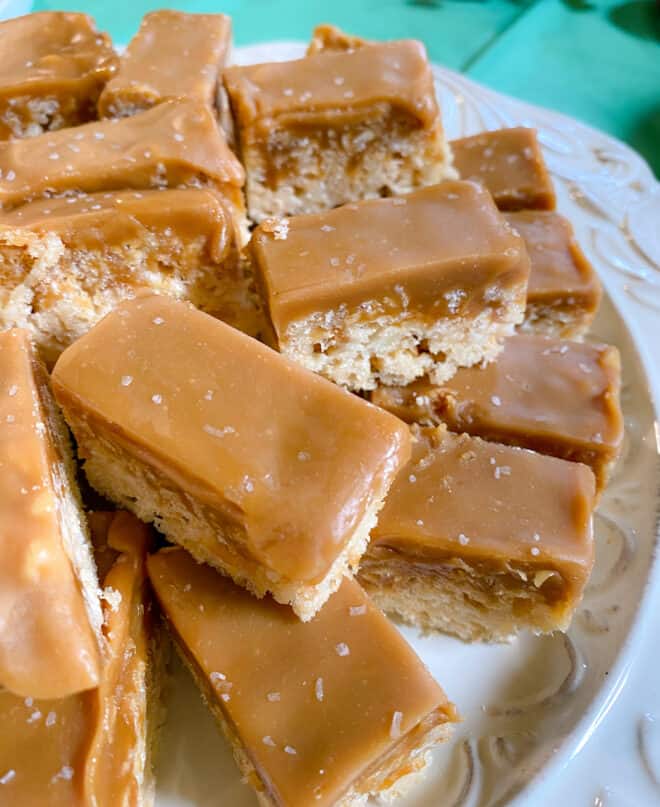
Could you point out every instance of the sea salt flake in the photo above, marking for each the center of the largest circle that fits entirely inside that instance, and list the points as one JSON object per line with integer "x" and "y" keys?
{"x": 318, "y": 689}
{"x": 463, "y": 540}
{"x": 357, "y": 610}
{"x": 535, "y": 551}
{"x": 7, "y": 777}
{"x": 215, "y": 432}
{"x": 496, "y": 400}
{"x": 289, "y": 749}
{"x": 51, "y": 719}
{"x": 268, "y": 740}
{"x": 274, "y": 697}
{"x": 304, "y": 456}
{"x": 12, "y": 390}
{"x": 395, "y": 725}
{"x": 158, "y": 320}
{"x": 342, "y": 649}
{"x": 208, "y": 395}
{"x": 327, "y": 228}
{"x": 126, "y": 380}
{"x": 157, "y": 399}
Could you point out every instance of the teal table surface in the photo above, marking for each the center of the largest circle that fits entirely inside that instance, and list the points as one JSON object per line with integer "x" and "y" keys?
{"x": 597, "y": 61}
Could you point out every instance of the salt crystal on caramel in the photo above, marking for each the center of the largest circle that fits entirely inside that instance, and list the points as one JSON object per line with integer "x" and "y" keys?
{"x": 256, "y": 466}
{"x": 326, "y": 712}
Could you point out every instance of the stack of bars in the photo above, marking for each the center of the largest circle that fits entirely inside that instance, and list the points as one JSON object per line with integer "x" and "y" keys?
{"x": 369, "y": 402}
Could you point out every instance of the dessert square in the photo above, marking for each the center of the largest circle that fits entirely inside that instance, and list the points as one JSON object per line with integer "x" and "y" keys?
{"x": 66, "y": 263}
{"x": 94, "y": 747}
{"x": 552, "y": 396}
{"x": 228, "y": 447}
{"x": 53, "y": 65}
{"x": 50, "y": 617}
{"x": 509, "y": 162}
{"x": 175, "y": 144}
{"x": 387, "y": 290}
{"x": 328, "y": 712}
{"x": 336, "y": 127}
{"x": 151, "y": 70}
{"x": 564, "y": 291}
{"x": 482, "y": 540}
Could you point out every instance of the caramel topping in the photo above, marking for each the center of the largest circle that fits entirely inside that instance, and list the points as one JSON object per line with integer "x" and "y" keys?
{"x": 539, "y": 392}
{"x": 509, "y": 162}
{"x": 149, "y": 71}
{"x": 47, "y": 646}
{"x": 51, "y": 52}
{"x": 86, "y": 749}
{"x": 313, "y": 704}
{"x": 176, "y": 143}
{"x": 558, "y": 265}
{"x": 331, "y": 87}
{"x": 236, "y": 426}
{"x": 462, "y": 497}
{"x": 98, "y": 220}
{"x": 439, "y": 250}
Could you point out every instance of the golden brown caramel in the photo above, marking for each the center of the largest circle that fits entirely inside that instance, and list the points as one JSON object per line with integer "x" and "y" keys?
{"x": 89, "y": 748}
{"x": 510, "y": 164}
{"x": 332, "y": 88}
{"x": 151, "y": 69}
{"x": 549, "y": 395}
{"x": 312, "y": 709}
{"x": 256, "y": 441}
{"x": 176, "y": 143}
{"x": 53, "y": 66}
{"x": 564, "y": 291}
{"x": 47, "y": 645}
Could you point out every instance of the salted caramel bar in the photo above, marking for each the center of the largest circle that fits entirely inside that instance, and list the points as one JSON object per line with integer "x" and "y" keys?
{"x": 336, "y": 127}
{"x": 65, "y": 263}
{"x": 549, "y": 395}
{"x": 53, "y": 65}
{"x": 328, "y": 712}
{"x": 386, "y": 290}
{"x": 482, "y": 540}
{"x": 564, "y": 291}
{"x": 510, "y": 164}
{"x": 50, "y": 619}
{"x": 330, "y": 38}
{"x": 173, "y": 55}
{"x": 228, "y": 447}
{"x": 176, "y": 144}
{"x": 93, "y": 748}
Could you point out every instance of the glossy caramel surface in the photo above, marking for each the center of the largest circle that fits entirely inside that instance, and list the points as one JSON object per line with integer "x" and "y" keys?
{"x": 236, "y": 426}
{"x": 47, "y": 646}
{"x": 176, "y": 143}
{"x": 313, "y": 703}
{"x": 510, "y": 164}
{"x": 152, "y": 71}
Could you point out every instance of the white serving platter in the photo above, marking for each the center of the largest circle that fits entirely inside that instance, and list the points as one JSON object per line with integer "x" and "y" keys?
{"x": 575, "y": 719}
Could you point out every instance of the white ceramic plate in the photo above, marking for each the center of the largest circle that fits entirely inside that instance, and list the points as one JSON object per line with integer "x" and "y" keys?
{"x": 534, "y": 731}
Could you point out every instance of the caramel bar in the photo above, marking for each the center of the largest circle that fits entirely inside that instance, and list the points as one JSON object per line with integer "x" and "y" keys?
{"x": 229, "y": 448}
{"x": 328, "y": 712}
{"x": 173, "y": 55}
{"x": 510, "y": 164}
{"x": 53, "y": 66}
{"x": 556, "y": 397}
{"x": 50, "y": 618}
{"x": 337, "y": 127}
{"x": 92, "y": 748}
{"x": 178, "y": 143}
{"x": 564, "y": 292}
{"x": 330, "y": 38}
{"x": 386, "y": 290}
{"x": 482, "y": 540}
{"x": 66, "y": 263}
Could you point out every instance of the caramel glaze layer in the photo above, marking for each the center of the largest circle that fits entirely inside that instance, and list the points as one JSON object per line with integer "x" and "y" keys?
{"x": 88, "y": 748}
{"x": 255, "y": 438}
{"x": 150, "y": 70}
{"x": 510, "y": 164}
{"x": 560, "y": 273}
{"x": 313, "y": 705}
{"x": 95, "y": 221}
{"x": 47, "y": 646}
{"x": 497, "y": 507}
{"x": 332, "y": 89}
{"x": 549, "y": 395}
{"x": 53, "y": 55}
{"x": 176, "y": 143}
{"x": 441, "y": 251}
